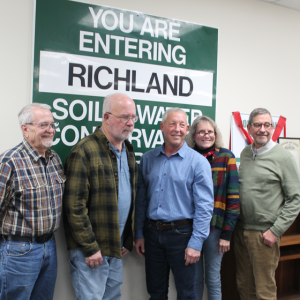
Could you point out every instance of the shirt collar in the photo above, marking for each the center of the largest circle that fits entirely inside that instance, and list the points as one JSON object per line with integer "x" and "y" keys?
{"x": 116, "y": 150}
{"x": 181, "y": 152}
{"x": 34, "y": 154}
{"x": 267, "y": 147}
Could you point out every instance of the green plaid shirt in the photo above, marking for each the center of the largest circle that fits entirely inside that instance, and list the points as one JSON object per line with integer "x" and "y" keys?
{"x": 91, "y": 218}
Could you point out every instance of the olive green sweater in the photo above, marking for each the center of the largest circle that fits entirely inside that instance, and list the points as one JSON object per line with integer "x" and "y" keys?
{"x": 269, "y": 190}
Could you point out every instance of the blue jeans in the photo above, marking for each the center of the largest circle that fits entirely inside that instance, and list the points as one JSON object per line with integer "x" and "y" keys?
{"x": 165, "y": 250}
{"x": 27, "y": 270}
{"x": 212, "y": 268}
{"x": 102, "y": 282}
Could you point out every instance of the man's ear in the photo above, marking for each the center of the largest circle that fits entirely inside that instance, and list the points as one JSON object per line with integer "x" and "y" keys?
{"x": 24, "y": 129}
{"x": 106, "y": 117}
{"x": 248, "y": 128}
{"x": 161, "y": 126}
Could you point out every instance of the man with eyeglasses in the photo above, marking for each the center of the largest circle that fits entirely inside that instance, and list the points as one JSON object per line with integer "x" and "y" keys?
{"x": 270, "y": 202}
{"x": 99, "y": 202}
{"x": 31, "y": 188}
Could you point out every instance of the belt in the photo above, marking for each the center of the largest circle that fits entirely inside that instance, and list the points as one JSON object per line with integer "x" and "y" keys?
{"x": 38, "y": 239}
{"x": 169, "y": 225}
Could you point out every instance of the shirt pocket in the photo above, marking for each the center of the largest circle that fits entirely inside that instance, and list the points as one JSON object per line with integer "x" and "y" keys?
{"x": 30, "y": 192}
{"x": 56, "y": 187}
{"x": 30, "y": 183}
{"x": 59, "y": 178}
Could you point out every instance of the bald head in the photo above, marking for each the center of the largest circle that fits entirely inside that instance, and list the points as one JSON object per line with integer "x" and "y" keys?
{"x": 113, "y": 101}
{"x": 119, "y": 116}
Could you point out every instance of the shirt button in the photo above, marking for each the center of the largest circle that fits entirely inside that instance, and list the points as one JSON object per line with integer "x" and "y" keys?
{"x": 162, "y": 189}
{"x": 116, "y": 174}
{"x": 164, "y": 173}
{"x": 159, "y": 205}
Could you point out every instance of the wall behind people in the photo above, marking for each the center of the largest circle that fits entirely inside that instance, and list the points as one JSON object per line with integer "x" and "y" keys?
{"x": 258, "y": 65}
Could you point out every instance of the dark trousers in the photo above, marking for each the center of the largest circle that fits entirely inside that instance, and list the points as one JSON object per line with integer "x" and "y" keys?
{"x": 165, "y": 250}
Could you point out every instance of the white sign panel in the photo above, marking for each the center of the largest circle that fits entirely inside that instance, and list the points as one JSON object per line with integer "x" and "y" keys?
{"x": 95, "y": 76}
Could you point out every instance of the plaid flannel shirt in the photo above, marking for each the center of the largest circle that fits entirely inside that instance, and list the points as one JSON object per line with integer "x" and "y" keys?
{"x": 31, "y": 189}
{"x": 91, "y": 218}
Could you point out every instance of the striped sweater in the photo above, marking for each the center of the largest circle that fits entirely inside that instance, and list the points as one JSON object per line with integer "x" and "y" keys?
{"x": 226, "y": 192}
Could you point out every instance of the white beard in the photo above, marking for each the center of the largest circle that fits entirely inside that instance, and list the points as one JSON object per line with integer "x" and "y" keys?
{"x": 47, "y": 143}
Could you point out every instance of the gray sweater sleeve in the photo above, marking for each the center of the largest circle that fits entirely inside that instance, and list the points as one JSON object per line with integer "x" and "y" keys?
{"x": 291, "y": 188}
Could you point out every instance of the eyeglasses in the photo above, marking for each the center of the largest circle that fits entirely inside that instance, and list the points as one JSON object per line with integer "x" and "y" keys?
{"x": 125, "y": 119}
{"x": 203, "y": 133}
{"x": 45, "y": 125}
{"x": 267, "y": 125}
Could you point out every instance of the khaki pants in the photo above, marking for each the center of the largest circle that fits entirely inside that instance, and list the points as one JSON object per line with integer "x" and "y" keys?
{"x": 255, "y": 265}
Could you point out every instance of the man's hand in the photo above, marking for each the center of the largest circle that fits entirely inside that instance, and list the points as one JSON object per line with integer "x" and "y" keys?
{"x": 140, "y": 247}
{"x": 269, "y": 238}
{"x": 191, "y": 256}
{"x": 224, "y": 246}
{"x": 94, "y": 260}
{"x": 124, "y": 251}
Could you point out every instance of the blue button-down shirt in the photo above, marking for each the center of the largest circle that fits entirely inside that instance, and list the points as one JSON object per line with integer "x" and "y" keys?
{"x": 124, "y": 192}
{"x": 175, "y": 188}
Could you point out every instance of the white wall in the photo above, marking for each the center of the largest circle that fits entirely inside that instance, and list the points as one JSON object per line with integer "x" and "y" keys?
{"x": 258, "y": 66}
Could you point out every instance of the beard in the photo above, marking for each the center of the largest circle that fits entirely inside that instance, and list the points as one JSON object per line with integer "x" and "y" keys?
{"x": 123, "y": 135}
{"x": 47, "y": 143}
{"x": 261, "y": 139}
{"x": 127, "y": 134}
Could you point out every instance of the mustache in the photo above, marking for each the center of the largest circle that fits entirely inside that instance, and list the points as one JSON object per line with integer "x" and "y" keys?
{"x": 130, "y": 129}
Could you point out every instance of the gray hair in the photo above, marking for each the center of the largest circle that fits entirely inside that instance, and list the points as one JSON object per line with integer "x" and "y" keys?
{"x": 171, "y": 110}
{"x": 26, "y": 114}
{"x": 107, "y": 105}
{"x": 191, "y": 135}
{"x": 258, "y": 111}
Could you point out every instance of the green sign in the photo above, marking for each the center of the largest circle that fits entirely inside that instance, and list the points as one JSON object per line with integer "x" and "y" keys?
{"x": 84, "y": 52}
